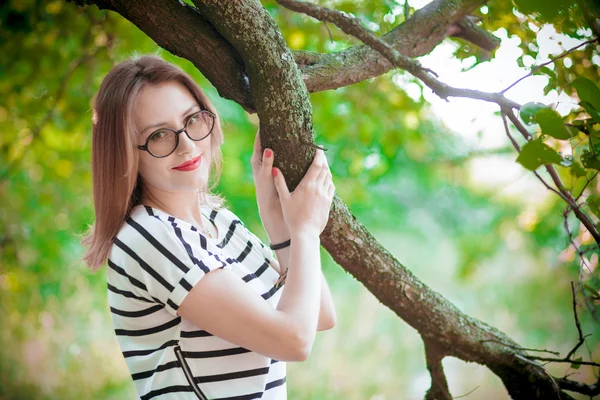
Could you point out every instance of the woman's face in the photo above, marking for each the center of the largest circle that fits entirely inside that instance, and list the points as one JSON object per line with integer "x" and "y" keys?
{"x": 168, "y": 105}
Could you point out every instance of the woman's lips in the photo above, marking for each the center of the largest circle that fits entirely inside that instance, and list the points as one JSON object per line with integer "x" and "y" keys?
{"x": 189, "y": 165}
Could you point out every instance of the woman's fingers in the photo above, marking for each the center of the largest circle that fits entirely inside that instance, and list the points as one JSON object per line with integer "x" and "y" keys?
{"x": 315, "y": 167}
{"x": 331, "y": 190}
{"x": 267, "y": 161}
{"x": 280, "y": 185}
{"x": 255, "y": 160}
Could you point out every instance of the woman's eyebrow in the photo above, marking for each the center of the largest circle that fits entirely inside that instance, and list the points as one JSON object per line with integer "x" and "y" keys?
{"x": 166, "y": 123}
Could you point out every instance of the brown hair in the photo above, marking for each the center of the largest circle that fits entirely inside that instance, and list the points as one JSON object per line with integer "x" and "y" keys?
{"x": 116, "y": 184}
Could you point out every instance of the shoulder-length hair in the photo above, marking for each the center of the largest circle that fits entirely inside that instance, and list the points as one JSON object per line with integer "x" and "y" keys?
{"x": 116, "y": 185}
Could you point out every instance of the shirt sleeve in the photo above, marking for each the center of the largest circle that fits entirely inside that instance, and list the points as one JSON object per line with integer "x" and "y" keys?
{"x": 163, "y": 260}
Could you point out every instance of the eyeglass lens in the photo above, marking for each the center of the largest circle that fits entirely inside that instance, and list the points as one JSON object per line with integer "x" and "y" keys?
{"x": 164, "y": 141}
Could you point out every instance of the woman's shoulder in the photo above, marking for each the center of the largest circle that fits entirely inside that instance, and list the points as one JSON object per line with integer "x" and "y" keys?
{"x": 142, "y": 221}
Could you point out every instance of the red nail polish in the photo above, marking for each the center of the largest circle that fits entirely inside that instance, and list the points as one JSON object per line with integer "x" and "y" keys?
{"x": 274, "y": 172}
{"x": 268, "y": 153}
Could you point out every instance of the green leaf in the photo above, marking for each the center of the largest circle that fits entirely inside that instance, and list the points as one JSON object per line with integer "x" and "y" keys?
{"x": 576, "y": 366}
{"x": 589, "y": 108}
{"x": 577, "y": 169}
{"x": 543, "y": 70}
{"x": 536, "y": 153}
{"x": 594, "y": 205}
{"x": 529, "y": 110}
{"x": 590, "y": 160}
{"x": 587, "y": 92}
{"x": 552, "y": 124}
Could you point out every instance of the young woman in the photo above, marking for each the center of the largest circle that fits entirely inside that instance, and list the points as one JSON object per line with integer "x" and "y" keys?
{"x": 198, "y": 303}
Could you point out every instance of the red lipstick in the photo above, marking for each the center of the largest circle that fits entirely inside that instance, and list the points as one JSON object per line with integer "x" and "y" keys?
{"x": 189, "y": 165}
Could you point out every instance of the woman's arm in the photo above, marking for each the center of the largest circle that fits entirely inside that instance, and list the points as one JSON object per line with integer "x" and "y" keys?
{"x": 327, "y": 314}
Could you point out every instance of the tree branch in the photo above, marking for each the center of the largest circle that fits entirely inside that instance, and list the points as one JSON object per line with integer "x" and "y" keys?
{"x": 578, "y": 387}
{"x": 417, "y": 36}
{"x": 352, "y": 26}
{"x": 439, "y": 385}
{"x": 467, "y": 30}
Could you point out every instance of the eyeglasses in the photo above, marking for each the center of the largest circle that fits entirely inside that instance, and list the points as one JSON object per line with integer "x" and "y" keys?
{"x": 164, "y": 141}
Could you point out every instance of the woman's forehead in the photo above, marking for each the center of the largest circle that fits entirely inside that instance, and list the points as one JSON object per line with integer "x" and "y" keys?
{"x": 163, "y": 102}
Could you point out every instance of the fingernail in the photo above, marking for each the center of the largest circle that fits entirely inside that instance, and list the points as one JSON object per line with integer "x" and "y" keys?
{"x": 268, "y": 153}
{"x": 274, "y": 172}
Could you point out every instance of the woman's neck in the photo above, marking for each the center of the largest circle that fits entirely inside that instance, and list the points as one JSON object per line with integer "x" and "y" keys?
{"x": 185, "y": 206}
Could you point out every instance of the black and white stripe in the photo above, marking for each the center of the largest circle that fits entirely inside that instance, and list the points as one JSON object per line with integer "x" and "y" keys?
{"x": 155, "y": 261}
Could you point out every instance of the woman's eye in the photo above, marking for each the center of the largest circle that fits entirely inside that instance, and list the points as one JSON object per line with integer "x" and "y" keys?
{"x": 158, "y": 135}
{"x": 193, "y": 120}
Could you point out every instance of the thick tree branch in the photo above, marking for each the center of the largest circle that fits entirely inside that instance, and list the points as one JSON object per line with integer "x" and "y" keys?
{"x": 202, "y": 45}
{"x": 417, "y": 36}
{"x": 467, "y": 30}
{"x": 352, "y": 26}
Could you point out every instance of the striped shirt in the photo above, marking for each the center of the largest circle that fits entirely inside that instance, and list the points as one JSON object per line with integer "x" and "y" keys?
{"x": 154, "y": 262}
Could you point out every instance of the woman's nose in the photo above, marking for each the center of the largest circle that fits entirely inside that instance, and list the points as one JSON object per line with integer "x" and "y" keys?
{"x": 185, "y": 143}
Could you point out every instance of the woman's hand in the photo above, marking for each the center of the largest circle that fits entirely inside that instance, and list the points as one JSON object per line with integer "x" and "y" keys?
{"x": 267, "y": 198}
{"x": 306, "y": 209}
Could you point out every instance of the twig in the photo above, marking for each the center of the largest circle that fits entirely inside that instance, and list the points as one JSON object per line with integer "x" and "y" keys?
{"x": 328, "y": 31}
{"x": 583, "y": 263}
{"x": 586, "y": 185}
{"x": 521, "y": 348}
{"x": 533, "y": 70}
{"x": 466, "y": 394}
{"x": 577, "y": 324}
{"x": 563, "y": 360}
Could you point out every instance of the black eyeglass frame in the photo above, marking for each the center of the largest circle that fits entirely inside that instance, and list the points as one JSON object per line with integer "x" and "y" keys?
{"x": 144, "y": 147}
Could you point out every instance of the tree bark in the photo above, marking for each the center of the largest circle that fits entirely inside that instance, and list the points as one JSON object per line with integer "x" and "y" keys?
{"x": 275, "y": 88}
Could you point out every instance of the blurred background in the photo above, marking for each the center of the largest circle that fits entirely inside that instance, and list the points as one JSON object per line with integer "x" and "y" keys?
{"x": 435, "y": 182}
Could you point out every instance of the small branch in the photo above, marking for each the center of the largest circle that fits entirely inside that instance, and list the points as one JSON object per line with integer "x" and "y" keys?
{"x": 563, "y": 360}
{"x": 586, "y": 185}
{"x": 328, "y": 31}
{"x": 521, "y": 348}
{"x": 466, "y": 394}
{"x": 304, "y": 57}
{"x": 535, "y": 69}
{"x": 578, "y": 387}
{"x": 582, "y": 264}
{"x": 577, "y": 324}
{"x": 439, "y": 385}
{"x": 467, "y": 30}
